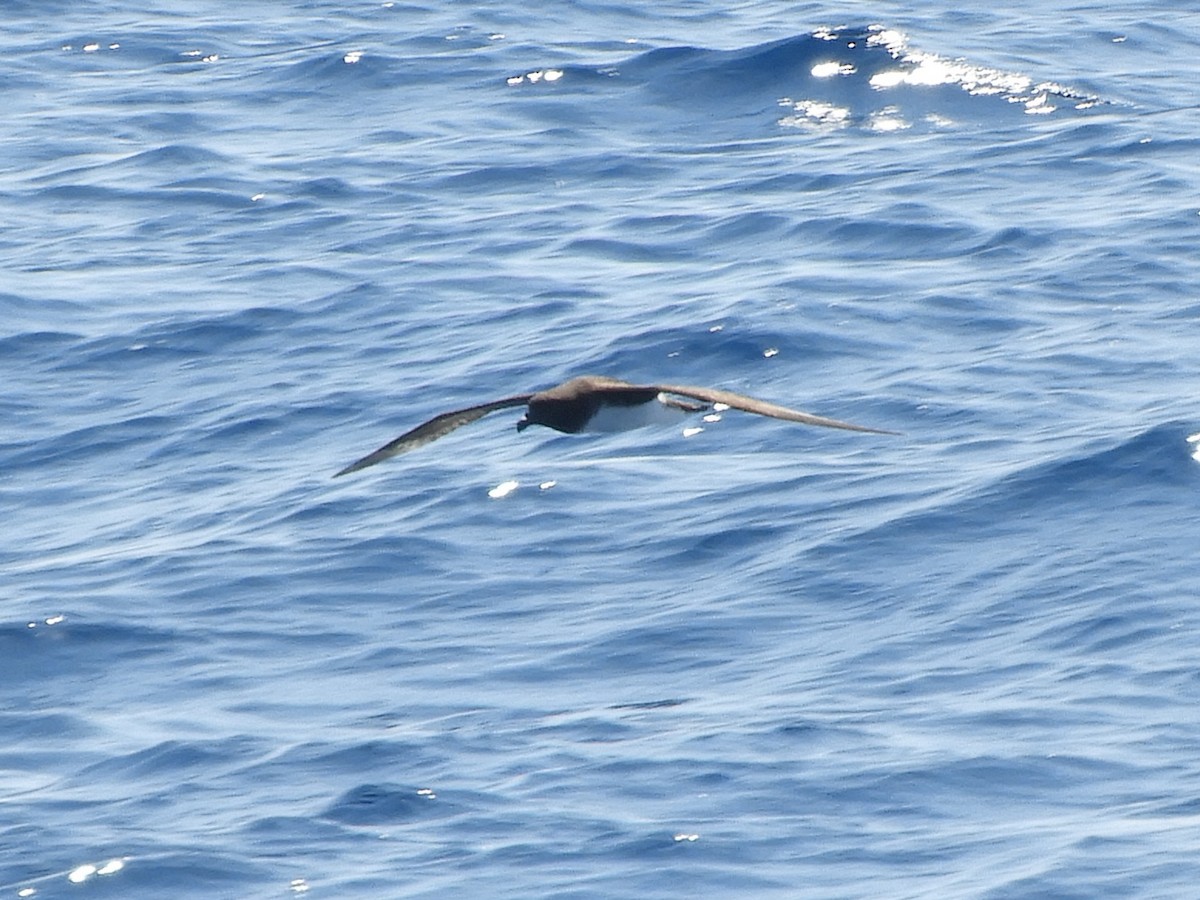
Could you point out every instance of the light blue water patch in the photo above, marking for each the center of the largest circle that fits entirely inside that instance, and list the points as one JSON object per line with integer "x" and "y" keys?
{"x": 245, "y": 247}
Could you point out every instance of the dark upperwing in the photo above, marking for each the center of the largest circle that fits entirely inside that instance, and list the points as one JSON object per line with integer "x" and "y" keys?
{"x": 438, "y": 426}
{"x": 750, "y": 404}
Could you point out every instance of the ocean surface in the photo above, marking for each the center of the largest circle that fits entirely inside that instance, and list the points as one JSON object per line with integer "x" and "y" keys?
{"x": 245, "y": 244}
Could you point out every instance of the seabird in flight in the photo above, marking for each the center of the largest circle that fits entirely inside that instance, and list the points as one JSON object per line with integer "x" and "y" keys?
{"x": 597, "y": 403}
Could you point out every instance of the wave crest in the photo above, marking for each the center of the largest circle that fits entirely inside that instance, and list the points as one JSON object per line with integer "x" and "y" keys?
{"x": 833, "y": 77}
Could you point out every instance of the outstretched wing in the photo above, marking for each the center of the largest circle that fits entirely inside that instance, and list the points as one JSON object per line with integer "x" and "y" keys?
{"x": 750, "y": 404}
{"x": 438, "y": 426}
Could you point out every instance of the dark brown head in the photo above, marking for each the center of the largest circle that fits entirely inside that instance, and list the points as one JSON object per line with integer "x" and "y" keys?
{"x": 568, "y": 414}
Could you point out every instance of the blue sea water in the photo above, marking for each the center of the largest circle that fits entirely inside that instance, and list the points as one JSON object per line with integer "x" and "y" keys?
{"x": 244, "y": 245}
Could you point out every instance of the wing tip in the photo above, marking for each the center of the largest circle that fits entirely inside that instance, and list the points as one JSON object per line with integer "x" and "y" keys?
{"x": 368, "y": 460}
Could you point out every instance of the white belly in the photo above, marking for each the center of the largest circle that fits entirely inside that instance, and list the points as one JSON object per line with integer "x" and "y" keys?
{"x": 622, "y": 418}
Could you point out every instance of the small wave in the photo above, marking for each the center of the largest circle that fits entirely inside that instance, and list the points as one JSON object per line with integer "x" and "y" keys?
{"x": 865, "y": 76}
{"x": 381, "y": 804}
{"x": 1150, "y": 460}
{"x": 1146, "y": 468}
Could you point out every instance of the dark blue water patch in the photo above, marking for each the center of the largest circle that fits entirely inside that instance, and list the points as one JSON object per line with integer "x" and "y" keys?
{"x": 503, "y": 177}
{"x": 114, "y": 355}
{"x": 908, "y": 233}
{"x": 85, "y": 183}
{"x": 31, "y": 726}
{"x": 970, "y": 315}
{"x": 168, "y": 762}
{"x": 748, "y": 226}
{"x": 1146, "y": 470}
{"x": 84, "y": 443}
{"x": 656, "y": 864}
{"x": 672, "y": 225}
{"x": 1105, "y": 635}
{"x": 327, "y": 189}
{"x": 172, "y": 158}
{"x": 391, "y": 136}
{"x": 268, "y": 831}
{"x": 935, "y": 788}
{"x": 1013, "y": 243}
{"x": 189, "y": 201}
{"x": 1074, "y": 885}
{"x": 1144, "y": 464}
{"x": 730, "y": 547}
{"x": 167, "y": 124}
{"x": 694, "y": 70}
{"x": 668, "y": 647}
{"x": 76, "y": 649}
{"x": 376, "y": 560}
{"x": 408, "y": 658}
{"x": 375, "y": 755}
{"x": 629, "y": 251}
{"x": 248, "y": 432}
{"x": 584, "y": 730}
{"x": 35, "y": 9}
{"x": 212, "y": 335}
{"x": 385, "y": 804}
{"x": 802, "y": 182}
{"x": 38, "y": 346}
